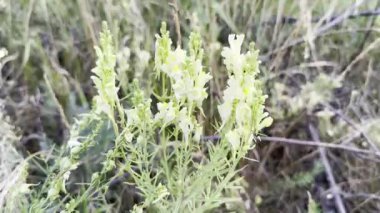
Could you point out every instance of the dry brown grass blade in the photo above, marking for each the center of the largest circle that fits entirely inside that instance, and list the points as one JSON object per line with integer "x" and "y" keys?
{"x": 175, "y": 10}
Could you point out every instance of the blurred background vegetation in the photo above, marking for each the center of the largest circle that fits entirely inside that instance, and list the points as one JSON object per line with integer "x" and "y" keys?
{"x": 320, "y": 67}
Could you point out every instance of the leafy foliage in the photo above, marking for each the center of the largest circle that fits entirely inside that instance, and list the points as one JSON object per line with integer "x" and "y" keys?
{"x": 158, "y": 149}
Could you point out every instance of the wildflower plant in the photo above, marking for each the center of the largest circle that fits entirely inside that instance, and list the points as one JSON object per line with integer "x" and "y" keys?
{"x": 105, "y": 78}
{"x": 159, "y": 142}
{"x": 242, "y": 111}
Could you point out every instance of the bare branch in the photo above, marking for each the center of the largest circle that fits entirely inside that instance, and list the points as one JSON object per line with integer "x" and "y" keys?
{"x": 305, "y": 143}
{"x": 335, "y": 188}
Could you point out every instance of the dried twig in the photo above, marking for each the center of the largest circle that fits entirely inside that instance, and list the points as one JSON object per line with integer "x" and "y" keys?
{"x": 306, "y": 143}
{"x": 362, "y": 54}
{"x": 374, "y": 16}
{"x": 175, "y": 10}
{"x": 356, "y": 127}
{"x": 335, "y": 189}
{"x": 292, "y": 20}
{"x": 61, "y": 112}
{"x": 361, "y": 195}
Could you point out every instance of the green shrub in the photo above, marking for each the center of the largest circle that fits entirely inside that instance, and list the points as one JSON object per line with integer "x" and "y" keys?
{"x": 160, "y": 144}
